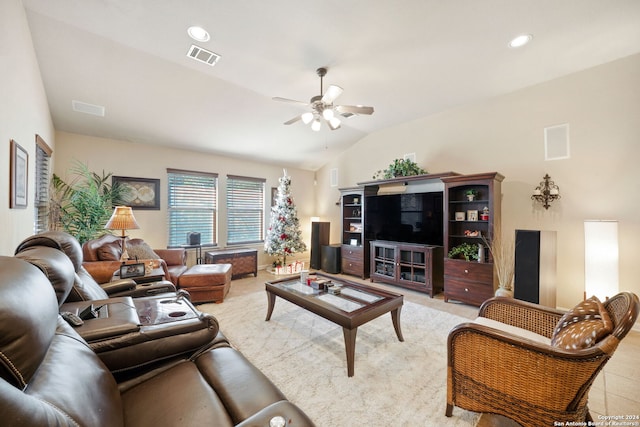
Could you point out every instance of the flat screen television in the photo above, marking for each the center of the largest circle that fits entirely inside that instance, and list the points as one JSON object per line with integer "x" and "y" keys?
{"x": 411, "y": 218}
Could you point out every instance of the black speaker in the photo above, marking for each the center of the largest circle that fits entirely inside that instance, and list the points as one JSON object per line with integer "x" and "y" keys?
{"x": 193, "y": 238}
{"x": 535, "y": 267}
{"x": 331, "y": 259}
{"x": 319, "y": 237}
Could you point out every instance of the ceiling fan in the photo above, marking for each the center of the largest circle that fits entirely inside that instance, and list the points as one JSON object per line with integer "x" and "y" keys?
{"x": 323, "y": 109}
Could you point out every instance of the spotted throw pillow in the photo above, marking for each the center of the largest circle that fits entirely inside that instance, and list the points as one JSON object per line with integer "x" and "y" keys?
{"x": 583, "y": 326}
{"x": 139, "y": 249}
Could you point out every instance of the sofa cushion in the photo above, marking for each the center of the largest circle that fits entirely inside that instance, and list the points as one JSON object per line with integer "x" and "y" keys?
{"x": 583, "y": 326}
{"x": 139, "y": 249}
{"x": 110, "y": 252}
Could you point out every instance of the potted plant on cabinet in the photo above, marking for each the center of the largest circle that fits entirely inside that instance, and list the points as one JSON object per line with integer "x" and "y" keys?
{"x": 400, "y": 167}
{"x": 503, "y": 253}
{"x": 471, "y": 194}
{"x": 465, "y": 251}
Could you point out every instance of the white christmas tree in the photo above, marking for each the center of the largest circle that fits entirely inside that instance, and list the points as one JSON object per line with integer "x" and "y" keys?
{"x": 284, "y": 236}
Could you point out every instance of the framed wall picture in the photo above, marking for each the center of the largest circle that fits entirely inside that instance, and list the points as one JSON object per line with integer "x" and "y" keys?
{"x": 18, "y": 176}
{"x": 142, "y": 193}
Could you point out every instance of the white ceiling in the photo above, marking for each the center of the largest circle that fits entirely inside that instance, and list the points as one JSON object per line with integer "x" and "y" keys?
{"x": 406, "y": 58}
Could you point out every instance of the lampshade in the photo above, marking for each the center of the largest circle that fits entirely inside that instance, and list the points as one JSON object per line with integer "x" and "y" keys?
{"x": 122, "y": 219}
{"x": 601, "y": 258}
{"x": 315, "y": 125}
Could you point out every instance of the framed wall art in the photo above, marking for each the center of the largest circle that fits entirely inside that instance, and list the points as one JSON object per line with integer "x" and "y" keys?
{"x": 18, "y": 178}
{"x": 143, "y": 193}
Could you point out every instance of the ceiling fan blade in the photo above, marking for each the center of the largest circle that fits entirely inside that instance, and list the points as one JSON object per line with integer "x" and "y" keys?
{"x": 290, "y": 101}
{"x": 292, "y": 121}
{"x": 331, "y": 94}
{"x": 354, "y": 109}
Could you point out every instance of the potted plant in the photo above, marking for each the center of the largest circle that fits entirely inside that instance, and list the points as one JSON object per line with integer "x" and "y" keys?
{"x": 82, "y": 206}
{"x": 400, "y": 167}
{"x": 465, "y": 251}
{"x": 471, "y": 194}
{"x": 503, "y": 253}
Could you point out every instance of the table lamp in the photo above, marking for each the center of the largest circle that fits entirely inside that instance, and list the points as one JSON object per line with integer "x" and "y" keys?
{"x": 122, "y": 219}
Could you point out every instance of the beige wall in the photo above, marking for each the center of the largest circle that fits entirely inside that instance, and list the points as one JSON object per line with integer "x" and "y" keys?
{"x": 147, "y": 161}
{"x": 23, "y": 114}
{"x": 506, "y": 134}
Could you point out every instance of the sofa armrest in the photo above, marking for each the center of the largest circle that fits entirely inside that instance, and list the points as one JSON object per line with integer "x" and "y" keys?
{"x": 173, "y": 256}
{"x": 292, "y": 415}
{"x": 147, "y": 289}
{"x": 101, "y": 271}
{"x": 118, "y": 286}
{"x": 522, "y": 314}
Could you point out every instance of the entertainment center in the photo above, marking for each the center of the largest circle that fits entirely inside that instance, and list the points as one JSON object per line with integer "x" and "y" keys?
{"x": 399, "y": 231}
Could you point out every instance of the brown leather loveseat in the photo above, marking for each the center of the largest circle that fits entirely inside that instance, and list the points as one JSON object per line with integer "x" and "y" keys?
{"x": 50, "y": 376}
{"x": 101, "y": 257}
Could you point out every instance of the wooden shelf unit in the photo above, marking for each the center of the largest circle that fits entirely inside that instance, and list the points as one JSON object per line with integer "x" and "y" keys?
{"x": 470, "y": 281}
{"x": 355, "y": 248}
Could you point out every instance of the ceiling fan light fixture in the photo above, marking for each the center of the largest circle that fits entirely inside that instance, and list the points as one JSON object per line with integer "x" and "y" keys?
{"x": 327, "y": 113}
{"x": 307, "y": 117}
{"x": 520, "y": 40}
{"x": 316, "y": 125}
{"x": 334, "y": 123}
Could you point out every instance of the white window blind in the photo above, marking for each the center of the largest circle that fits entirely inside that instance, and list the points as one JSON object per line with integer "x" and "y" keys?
{"x": 192, "y": 206}
{"x": 245, "y": 210}
{"x": 43, "y": 180}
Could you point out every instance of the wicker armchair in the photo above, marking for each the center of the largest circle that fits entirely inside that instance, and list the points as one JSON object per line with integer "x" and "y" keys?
{"x": 532, "y": 383}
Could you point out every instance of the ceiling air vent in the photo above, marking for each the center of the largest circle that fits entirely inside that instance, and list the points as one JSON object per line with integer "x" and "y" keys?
{"x": 86, "y": 108}
{"x": 203, "y": 55}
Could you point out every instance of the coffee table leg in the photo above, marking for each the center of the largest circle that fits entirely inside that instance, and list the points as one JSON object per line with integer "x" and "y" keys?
{"x": 395, "y": 316}
{"x": 350, "y": 345}
{"x": 271, "y": 300}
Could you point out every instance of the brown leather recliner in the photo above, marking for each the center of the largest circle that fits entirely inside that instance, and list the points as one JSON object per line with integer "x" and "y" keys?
{"x": 101, "y": 257}
{"x": 85, "y": 287}
{"x": 50, "y": 376}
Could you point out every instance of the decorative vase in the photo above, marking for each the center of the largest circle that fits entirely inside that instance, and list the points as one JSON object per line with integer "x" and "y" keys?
{"x": 503, "y": 292}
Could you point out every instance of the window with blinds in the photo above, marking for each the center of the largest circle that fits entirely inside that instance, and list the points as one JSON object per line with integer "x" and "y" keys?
{"x": 245, "y": 210}
{"x": 192, "y": 206}
{"x": 43, "y": 181}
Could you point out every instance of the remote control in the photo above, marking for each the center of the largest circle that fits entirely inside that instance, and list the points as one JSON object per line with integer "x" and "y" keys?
{"x": 72, "y": 319}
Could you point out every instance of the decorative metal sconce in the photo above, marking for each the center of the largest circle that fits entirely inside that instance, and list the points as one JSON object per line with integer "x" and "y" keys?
{"x": 546, "y": 192}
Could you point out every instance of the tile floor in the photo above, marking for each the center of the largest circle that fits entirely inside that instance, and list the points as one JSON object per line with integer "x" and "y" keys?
{"x": 616, "y": 391}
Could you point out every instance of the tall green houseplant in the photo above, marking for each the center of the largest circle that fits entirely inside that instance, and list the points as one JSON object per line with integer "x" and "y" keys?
{"x": 82, "y": 206}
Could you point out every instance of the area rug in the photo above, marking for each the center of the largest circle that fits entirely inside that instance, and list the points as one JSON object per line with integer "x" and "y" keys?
{"x": 395, "y": 383}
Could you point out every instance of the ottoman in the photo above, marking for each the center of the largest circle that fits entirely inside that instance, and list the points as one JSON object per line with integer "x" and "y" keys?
{"x": 206, "y": 282}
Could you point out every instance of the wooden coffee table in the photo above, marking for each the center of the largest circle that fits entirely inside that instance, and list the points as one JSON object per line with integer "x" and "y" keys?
{"x": 356, "y": 305}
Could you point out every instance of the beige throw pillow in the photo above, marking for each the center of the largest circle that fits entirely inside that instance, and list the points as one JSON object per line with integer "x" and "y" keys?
{"x": 139, "y": 249}
{"x": 583, "y": 326}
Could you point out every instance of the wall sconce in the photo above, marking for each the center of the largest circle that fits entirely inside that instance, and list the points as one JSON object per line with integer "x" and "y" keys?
{"x": 546, "y": 192}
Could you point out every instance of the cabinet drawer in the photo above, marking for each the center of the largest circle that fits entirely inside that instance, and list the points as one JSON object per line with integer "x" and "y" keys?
{"x": 465, "y": 291}
{"x": 354, "y": 267}
{"x": 475, "y": 271}
{"x": 354, "y": 253}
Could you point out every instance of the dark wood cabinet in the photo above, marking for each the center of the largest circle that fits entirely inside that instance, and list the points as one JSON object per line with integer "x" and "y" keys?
{"x": 468, "y": 221}
{"x": 355, "y": 248}
{"x": 409, "y": 265}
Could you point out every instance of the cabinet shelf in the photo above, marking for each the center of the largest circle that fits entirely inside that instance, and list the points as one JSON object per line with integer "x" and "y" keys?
{"x": 467, "y": 202}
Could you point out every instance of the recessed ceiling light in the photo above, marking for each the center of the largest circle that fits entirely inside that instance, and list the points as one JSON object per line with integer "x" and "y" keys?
{"x": 198, "y": 34}
{"x": 520, "y": 40}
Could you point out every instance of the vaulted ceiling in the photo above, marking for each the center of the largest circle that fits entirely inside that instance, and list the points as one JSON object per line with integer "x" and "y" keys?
{"x": 408, "y": 59}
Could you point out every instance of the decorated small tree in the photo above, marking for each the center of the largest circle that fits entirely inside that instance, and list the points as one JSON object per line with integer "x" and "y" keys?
{"x": 284, "y": 235}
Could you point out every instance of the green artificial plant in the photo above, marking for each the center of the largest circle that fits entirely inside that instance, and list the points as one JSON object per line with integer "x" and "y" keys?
{"x": 464, "y": 250}
{"x": 400, "y": 167}
{"x": 82, "y": 206}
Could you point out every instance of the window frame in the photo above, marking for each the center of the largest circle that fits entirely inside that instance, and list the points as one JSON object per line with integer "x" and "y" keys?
{"x": 176, "y": 229}
{"x": 252, "y": 210}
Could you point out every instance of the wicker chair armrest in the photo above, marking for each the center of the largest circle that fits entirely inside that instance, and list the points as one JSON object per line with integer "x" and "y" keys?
{"x": 522, "y": 314}
{"x": 523, "y": 370}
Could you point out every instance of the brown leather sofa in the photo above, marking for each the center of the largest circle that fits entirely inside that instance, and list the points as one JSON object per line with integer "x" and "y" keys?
{"x": 51, "y": 376}
{"x": 101, "y": 258}
{"x": 85, "y": 287}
